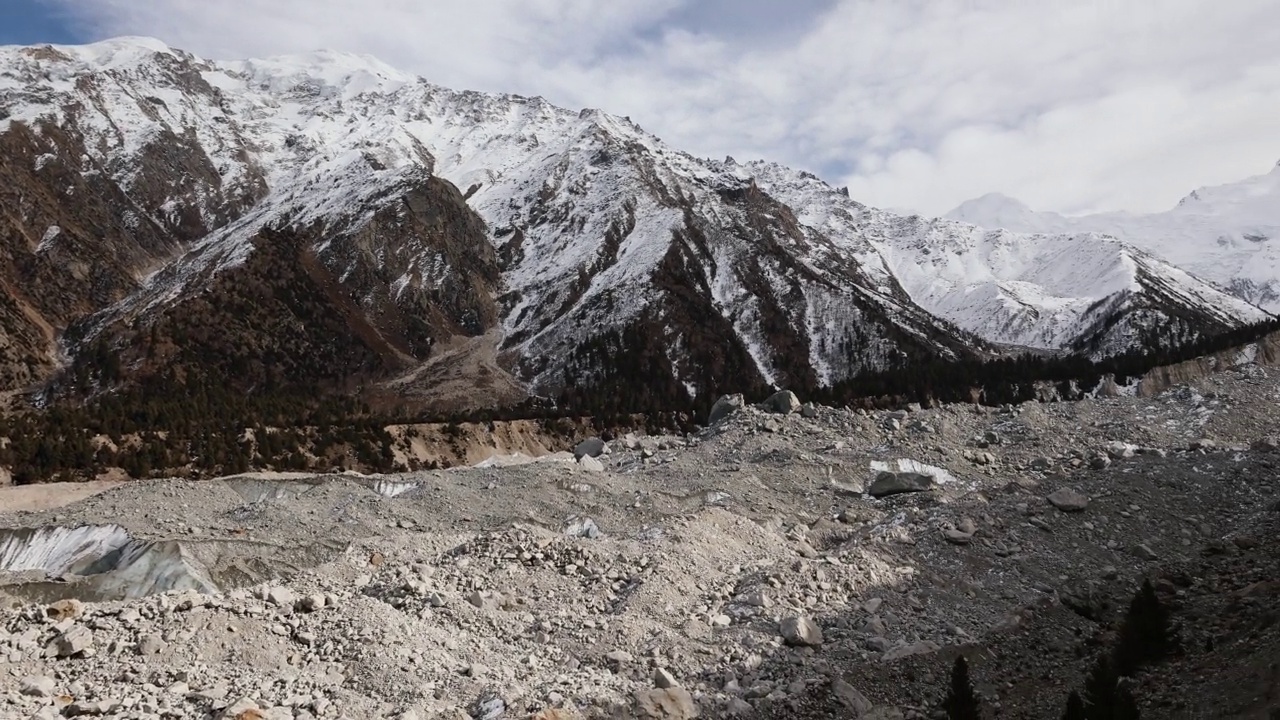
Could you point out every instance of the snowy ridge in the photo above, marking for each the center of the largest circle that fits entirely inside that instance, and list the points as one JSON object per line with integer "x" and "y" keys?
{"x": 596, "y": 221}
{"x": 1228, "y": 234}
{"x": 1037, "y": 290}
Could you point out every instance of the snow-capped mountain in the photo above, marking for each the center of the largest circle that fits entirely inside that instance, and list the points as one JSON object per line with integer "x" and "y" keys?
{"x": 329, "y": 216}
{"x": 1228, "y": 234}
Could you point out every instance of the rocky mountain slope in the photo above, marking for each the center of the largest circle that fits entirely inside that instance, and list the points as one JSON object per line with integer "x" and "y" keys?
{"x": 326, "y": 219}
{"x": 813, "y": 564}
{"x": 1228, "y": 234}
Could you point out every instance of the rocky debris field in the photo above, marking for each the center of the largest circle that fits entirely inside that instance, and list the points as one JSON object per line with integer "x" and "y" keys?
{"x": 790, "y": 561}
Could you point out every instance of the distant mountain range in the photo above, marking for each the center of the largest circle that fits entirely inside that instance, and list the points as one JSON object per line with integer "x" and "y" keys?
{"x": 1228, "y": 234}
{"x": 328, "y": 221}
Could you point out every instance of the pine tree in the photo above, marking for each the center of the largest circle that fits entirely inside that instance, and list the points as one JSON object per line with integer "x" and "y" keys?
{"x": 1100, "y": 691}
{"x": 1126, "y": 705}
{"x": 1146, "y": 637}
{"x": 961, "y": 702}
{"x": 1075, "y": 707}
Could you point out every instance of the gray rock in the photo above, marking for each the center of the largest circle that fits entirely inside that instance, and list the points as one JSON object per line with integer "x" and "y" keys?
{"x": 1042, "y": 464}
{"x": 894, "y": 483}
{"x": 665, "y": 704}
{"x": 312, "y": 603}
{"x": 801, "y": 631}
{"x": 151, "y": 645}
{"x": 783, "y": 402}
{"x": 74, "y": 641}
{"x": 1266, "y": 445}
{"x": 591, "y": 447}
{"x": 583, "y": 528}
{"x": 737, "y": 707}
{"x": 590, "y": 464}
{"x": 1068, "y": 500}
{"x": 1120, "y": 450}
{"x": 923, "y": 647}
{"x": 1101, "y": 462}
{"x": 40, "y": 686}
{"x": 488, "y": 707}
{"x": 809, "y": 411}
{"x": 851, "y": 698}
{"x": 1145, "y": 552}
{"x": 1204, "y": 444}
{"x": 884, "y": 713}
{"x": 957, "y": 537}
{"x": 619, "y": 657}
{"x": 724, "y": 407}
{"x": 663, "y": 679}
{"x": 281, "y": 597}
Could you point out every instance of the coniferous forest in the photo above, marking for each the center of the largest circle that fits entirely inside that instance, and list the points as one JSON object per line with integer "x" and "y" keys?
{"x": 206, "y": 423}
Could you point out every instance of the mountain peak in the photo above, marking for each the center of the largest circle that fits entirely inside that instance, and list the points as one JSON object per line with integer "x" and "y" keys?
{"x": 991, "y": 210}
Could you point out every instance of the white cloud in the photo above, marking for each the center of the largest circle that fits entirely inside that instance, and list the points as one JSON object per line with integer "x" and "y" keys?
{"x": 1091, "y": 105}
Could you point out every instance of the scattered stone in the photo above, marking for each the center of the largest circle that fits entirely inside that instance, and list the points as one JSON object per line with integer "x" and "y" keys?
{"x": 1204, "y": 444}
{"x": 590, "y": 464}
{"x": 809, "y": 411}
{"x": 619, "y": 657}
{"x": 1068, "y": 500}
{"x": 1100, "y": 462}
{"x": 1145, "y": 552}
{"x": 956, "y": 537}
{"x": 801, "y": 631}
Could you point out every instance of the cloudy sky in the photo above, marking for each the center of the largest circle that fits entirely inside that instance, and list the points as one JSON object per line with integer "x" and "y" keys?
{"x": 1068, "y": 105}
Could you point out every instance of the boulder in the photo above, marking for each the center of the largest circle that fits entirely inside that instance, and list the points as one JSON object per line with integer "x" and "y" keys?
{"x": 851, "y": 698}
{"x": 801, "y": 631}
{"x": 809, "y": 411}
{"x": 1068, "y": 500}
{"x": 895, "y": 483}
{"x": 662, "y": 679}
{"x": 665, "y": 704}
{"x": 591, "y": 447}
{"x": 590, "y": 464}
{"x": 724, "y": 407}
{"x": 74, "y": 641}
{"x": 783, "y": 402}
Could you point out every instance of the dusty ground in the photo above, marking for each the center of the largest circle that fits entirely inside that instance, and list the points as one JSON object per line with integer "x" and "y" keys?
{"x": 31, "y": 498}
{"x": 504, "y": 591}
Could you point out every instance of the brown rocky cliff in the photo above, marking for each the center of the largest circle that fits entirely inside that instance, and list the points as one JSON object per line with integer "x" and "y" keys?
{"x": 1265, "y": 351}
